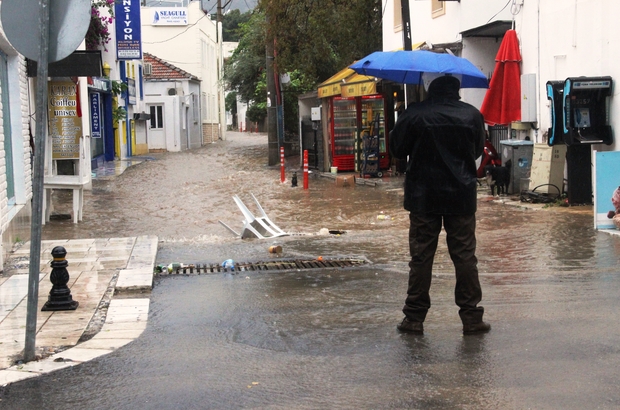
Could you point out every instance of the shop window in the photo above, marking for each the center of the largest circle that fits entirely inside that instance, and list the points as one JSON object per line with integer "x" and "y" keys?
{"x": 398, "y": 16}
{"x": 157, "y": 116}
{"x": 438, "y": 8}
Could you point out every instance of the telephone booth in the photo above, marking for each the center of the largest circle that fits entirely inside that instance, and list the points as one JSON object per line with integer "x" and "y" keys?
{"x": 579, "y": 119}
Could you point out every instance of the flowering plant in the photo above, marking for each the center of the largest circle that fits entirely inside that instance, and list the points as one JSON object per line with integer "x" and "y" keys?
{"x": 98, "y": 33}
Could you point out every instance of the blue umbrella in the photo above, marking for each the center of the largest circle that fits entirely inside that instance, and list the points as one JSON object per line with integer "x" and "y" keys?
{"x": 406, "y": 67}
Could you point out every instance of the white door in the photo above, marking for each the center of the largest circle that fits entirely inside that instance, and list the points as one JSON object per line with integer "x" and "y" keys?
{"x": 157, "y": 136}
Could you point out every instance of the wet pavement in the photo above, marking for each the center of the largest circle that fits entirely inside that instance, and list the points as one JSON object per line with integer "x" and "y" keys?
{"x": 327, "y": 338}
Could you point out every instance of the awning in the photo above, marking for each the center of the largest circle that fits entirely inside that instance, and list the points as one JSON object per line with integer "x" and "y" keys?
{"x": 356, "y": 85}
{"x": 80, "y": 63}
{"x": 331, "y": 86}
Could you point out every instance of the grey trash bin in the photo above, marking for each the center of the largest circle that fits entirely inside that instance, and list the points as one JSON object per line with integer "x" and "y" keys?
{"x": 520, "y": 152}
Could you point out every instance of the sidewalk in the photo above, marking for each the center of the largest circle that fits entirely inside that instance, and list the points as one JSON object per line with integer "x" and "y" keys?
{"x": 111, "y": 278}
{"x": 100, "y": 270}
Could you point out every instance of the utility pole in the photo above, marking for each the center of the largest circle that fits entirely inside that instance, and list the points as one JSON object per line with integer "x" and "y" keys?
{"x": 406, "y": 18}
{"x": 272, "y": 117}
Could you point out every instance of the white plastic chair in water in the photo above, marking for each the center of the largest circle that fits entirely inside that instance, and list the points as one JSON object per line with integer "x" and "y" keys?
{"x": 255, "y": 227}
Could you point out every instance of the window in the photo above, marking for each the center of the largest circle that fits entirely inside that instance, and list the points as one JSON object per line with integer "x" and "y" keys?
{"x": 438, "y": 8}
{"x": 157, "y": 116}
{"x": 398, "y": 16}
{"x": 6, "y": 128}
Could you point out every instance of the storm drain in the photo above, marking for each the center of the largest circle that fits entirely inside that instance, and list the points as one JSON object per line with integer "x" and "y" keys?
{"x": 279, "y": 265}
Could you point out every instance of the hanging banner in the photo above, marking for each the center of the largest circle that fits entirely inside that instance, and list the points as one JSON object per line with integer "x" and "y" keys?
{"x": 128, "y": 33}
{"x": 95, "y": 116}
{"x": 65, "y": 125}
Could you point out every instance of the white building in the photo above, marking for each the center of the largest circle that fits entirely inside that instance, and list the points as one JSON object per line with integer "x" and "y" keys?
{"x": 15, "y": 152}
{"x": 558, "y": 39}
{"x": 172, "y": 98}
{"x": 184, "y": 35}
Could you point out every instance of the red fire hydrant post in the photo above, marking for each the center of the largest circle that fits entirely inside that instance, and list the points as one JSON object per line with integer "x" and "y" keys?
{"x": 305, "y": 169}
{"x": 282, "y": 171}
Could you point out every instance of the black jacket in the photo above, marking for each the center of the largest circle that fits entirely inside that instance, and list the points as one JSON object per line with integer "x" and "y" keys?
{"x": 442, "y": 136}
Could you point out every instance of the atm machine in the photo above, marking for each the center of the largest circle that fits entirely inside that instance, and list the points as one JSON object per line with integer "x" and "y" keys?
{"x": 580, "y": 118}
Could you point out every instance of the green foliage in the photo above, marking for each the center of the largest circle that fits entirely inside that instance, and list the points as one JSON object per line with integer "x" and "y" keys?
{"x": 312, "y": 40}
{"x": 231, "y": 102}
{"x": 118, "y": 87}
{"x": 321, "y": 38}
{"x": 245, "y": 69}
{"x": 231, "y": 22}
{"x": 257, "y": 112}
{"x": 118, "y": 114}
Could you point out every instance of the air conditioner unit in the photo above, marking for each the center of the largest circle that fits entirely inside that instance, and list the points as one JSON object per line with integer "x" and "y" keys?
{"x": 175, "y": 91}
{"x": 147, "y": 69}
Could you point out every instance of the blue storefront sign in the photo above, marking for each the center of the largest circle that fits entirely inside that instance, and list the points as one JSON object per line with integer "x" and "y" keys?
{"x": 95, "y": 115}
{"x": 128, "y": 33}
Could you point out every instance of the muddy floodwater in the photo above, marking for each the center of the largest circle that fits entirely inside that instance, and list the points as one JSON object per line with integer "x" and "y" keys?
{"x": 180, "y": 197}
{"x": 326, "y": 338}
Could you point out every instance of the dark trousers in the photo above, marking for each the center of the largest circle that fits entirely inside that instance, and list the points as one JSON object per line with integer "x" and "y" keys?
{"x": 424, "y": 232}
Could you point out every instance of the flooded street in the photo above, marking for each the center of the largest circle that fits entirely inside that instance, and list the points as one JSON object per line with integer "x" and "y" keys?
{"x": 326, "y": 338}
{"x": 180, "y": 197}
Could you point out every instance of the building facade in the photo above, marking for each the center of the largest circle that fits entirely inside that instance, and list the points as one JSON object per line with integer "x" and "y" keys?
{"x": 186, "y": 37}
{"x": 15, "y": 149}
{"x": 172, "y": 98}
{"x": 558, "y": 39}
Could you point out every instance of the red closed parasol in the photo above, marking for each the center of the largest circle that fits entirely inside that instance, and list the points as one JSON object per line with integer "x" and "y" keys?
{"x": 502, "y": 102}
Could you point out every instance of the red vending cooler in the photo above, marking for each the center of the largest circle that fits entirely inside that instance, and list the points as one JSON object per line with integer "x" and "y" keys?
{"x": 344, "y": 132}
{"x": 351, "y": 118}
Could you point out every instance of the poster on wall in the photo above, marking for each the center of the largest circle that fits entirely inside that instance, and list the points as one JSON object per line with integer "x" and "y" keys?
{"x": 128, "y": 32}
{"x": 606, "y": 189}
{"x": 65, "y": 124}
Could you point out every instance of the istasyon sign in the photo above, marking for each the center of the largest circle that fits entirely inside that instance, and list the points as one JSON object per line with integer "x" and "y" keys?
{"x": 128, "y": 33}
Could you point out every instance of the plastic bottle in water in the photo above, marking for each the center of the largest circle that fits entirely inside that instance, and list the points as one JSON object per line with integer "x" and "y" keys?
{"x": 228, "y": 264}
{"x": 174, "y": 266}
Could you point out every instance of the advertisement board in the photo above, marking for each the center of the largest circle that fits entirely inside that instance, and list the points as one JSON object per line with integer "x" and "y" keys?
{"x": 128, "y": 33}
{"x": 606, "y": 182}
{"x": 65, "y": 124}
{"x": 169, "y": 16}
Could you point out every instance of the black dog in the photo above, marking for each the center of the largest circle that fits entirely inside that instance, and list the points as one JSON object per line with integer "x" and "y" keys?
{"x": 294, "y": 179}
{"x": 498, "y": 177}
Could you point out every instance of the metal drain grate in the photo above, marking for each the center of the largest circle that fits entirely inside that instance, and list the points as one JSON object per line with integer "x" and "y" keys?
{"x": 279, "y": 265}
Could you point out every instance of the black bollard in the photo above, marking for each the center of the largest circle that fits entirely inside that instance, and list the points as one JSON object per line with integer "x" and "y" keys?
{"x": 294, "y": 179}
{"x": 60, "y": 295}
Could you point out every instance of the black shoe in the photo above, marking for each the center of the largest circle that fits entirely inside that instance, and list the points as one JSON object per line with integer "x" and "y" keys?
{"x": 407, "y": 326}
{"x": 480, "y": 327}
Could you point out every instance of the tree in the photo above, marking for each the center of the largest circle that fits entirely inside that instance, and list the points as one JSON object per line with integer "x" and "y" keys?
{"x": 312, "y": 42}
{"x": 231, "y": 22}
{"x": 321, "y": 38}
{"x": 243, "y": 70}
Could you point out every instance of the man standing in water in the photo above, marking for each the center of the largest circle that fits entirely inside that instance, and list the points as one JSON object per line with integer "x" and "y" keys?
{"x": 442, "y": 136}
